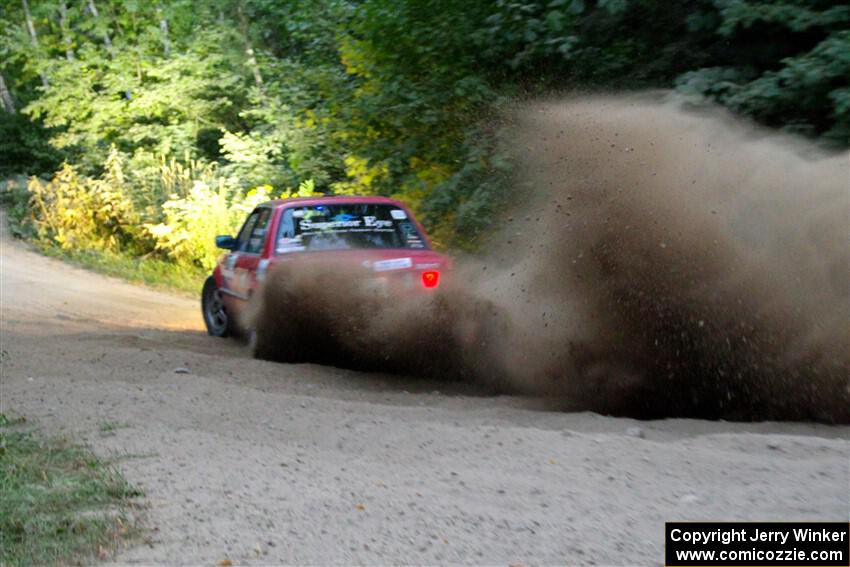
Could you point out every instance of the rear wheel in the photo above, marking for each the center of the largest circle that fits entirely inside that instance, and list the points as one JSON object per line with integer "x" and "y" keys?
{"x": 216, "y": 317}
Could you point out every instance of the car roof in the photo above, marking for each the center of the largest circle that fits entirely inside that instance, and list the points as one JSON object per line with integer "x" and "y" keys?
{"x": 330, "y": 200}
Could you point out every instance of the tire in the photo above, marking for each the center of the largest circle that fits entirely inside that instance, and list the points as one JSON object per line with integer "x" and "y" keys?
{"x": 216, "y": 318}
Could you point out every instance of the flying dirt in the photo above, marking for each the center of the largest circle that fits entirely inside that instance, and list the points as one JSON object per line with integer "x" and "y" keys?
{"x": 664, "y": 262}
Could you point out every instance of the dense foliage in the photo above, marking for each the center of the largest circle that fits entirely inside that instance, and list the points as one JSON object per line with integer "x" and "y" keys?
{"x": 392, "y": 97}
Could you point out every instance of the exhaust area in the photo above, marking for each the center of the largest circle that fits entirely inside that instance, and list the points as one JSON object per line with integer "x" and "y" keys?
{"x": 658, "y": 262}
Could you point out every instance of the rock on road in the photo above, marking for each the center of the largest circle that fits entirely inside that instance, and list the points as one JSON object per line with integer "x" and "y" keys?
{"x": 263, "y": 463}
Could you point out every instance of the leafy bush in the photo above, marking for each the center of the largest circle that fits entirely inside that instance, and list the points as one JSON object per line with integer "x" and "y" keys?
{"x": 77, "y": 212}
{"x": 106, "y": 214}
{"x": 187, "y": 234}
{"x": 15, "y": 199}
{"x": 191, "y": 223}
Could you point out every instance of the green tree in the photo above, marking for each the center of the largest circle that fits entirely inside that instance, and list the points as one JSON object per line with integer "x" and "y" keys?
{"x": 390, "y": 97}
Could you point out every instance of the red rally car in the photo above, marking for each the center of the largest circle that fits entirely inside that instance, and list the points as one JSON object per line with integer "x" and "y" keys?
{"x": 378, "y": 235}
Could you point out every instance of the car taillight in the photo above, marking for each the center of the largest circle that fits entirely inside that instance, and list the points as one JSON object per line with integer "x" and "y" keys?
{"x": 430, "y": 279}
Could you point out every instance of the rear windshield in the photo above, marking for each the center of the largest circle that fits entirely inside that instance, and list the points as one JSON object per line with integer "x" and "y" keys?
{"x": 346, "y": 226}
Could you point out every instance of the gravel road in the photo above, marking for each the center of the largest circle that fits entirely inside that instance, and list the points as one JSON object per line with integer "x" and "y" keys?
{"x": 265, "y": 463}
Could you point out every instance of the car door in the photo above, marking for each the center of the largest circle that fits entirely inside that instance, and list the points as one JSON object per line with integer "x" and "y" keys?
{"x": 228, "y": 266}
{"x": 249, "y": 254}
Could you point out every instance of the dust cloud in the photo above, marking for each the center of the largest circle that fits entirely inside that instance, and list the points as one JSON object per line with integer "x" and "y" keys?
{"x": 659, "y": 262}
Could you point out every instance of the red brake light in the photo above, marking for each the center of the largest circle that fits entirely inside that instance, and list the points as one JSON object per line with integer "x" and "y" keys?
{"x": 430, "y": 279}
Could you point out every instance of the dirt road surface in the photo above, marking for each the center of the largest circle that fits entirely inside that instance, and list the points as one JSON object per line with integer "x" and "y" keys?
{"x": 266, "y": 463}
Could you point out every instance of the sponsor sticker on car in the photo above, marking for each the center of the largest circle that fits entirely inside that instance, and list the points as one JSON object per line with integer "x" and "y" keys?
{"x": 394, "y": 264}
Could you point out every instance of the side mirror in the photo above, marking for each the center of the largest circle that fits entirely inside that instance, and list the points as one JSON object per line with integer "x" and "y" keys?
{"x": 226, "y": 242}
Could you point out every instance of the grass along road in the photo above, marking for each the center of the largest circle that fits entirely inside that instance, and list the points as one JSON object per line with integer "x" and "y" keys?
{"x": 60, "y": 503}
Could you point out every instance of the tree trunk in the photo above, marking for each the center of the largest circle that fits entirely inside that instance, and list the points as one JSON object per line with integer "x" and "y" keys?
{"x": 6, "y": 97}
{"x": 166, "y": 43}
{"x": 33, "y": 37}
{"x": 106, "y": 39}
{"x": 249, "y": 51}
{"x": 66, "y": 36}
{"x": 30, "y": 26}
